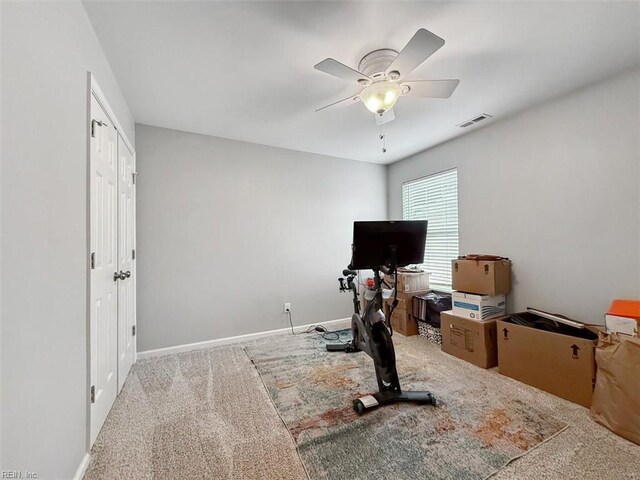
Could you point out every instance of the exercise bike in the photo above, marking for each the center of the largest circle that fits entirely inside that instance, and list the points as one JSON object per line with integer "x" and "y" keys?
{"x": 378, "y": 246}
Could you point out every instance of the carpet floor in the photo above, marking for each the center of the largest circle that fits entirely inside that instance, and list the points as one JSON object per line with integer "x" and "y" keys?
{"x": 474, "y": 431}
{"x": 198, "y": 415}
{"x": 206, "y": 414}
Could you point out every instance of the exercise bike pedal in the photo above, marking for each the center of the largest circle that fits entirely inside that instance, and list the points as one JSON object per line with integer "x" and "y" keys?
{"x": 360, "y": 405}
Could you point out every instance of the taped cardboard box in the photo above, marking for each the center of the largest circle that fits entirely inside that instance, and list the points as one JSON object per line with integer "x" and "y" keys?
{"x": 410, "y": 281}
{"x": 616, "y": 397}
{"x": 559, "y": 363}
{"x": 470, "y": 340}
{"x": 483, "y": 277}
{"x": 405, "y": 299}
{"x": 478, "y": 307}
{"x": 403, "y": 323}
{"x": 404, "y": 303}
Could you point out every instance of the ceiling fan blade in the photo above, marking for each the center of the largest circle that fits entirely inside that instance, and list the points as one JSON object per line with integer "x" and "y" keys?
{"x": 345, "y": 102}
{"x": 421, "y": 46}
{"x": 430, "y": 88}
{"x": 340, "y": 70}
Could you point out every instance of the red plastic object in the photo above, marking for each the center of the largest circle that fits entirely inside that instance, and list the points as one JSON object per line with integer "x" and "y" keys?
{"x": 625, "y": 308}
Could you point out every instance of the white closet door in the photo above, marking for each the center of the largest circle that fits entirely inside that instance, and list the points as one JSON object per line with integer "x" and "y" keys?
{"x": 104, "y": 262}
{"x": 126, "y": 245}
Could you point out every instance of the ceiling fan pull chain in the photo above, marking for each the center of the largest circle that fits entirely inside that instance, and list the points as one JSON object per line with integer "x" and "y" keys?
{"x": 383, "y": 138}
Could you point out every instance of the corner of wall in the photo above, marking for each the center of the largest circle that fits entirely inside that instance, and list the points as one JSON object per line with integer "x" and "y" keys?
{"x": 1, "y": 157}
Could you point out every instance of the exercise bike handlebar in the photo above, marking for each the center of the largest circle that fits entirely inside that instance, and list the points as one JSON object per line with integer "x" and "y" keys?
{"x": 350, "y": 271}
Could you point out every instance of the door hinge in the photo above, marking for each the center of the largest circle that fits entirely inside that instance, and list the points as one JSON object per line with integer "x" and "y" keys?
{"x": 93, "y": 260}
{"x": 133, "y": 331}
{"x": 93, "y": 126}
{"x": 133, "y": 254}
{"x": 134, "y": 175}
{"x": 93, "y": 394}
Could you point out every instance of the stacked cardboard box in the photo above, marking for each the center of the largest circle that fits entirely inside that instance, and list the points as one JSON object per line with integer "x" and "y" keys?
{"x": 410, "y": 280}
{"x": 478, "y": 300}
{"x": 485, "y": 277}
{"x": 480, "y": 287}
{"x": 409, "y": 284}
{"x": 402, "y": 320}
{"x": 470, "y": 340}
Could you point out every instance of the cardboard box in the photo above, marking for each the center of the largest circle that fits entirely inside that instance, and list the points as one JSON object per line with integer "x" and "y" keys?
{"x": 405, "y": 300}
{"x": 403, "y": 303}
{"x": 623, "y": 317}
{"x": 478, "y": 307}
{"x": 403, "y": 323}
{"x": 412, "y": 281}
{"x": 470, "y": 340}
{"x": 481, "y": 277}
{"x": 561, "y": 364}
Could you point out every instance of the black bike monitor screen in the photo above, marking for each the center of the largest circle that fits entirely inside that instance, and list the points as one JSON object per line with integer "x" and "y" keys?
{"x": 376, "y": 243}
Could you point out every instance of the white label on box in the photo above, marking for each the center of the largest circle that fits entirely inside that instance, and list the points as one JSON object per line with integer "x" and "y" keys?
{"x": 478, "y": 307}
{"x": 616, "y": 324}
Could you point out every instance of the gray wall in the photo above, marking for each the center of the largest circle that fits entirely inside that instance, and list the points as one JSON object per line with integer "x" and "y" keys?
{"x": 554, "y": 188}
{"x": 228, "y": 231}
{"x": 47, "y": 49}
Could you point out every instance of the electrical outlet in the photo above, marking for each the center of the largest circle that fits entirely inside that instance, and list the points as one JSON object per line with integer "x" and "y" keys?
{"x": 287, "y": 307}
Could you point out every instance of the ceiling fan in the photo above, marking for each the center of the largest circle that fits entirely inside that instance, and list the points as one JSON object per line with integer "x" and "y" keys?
{"x": 381, "y": 75}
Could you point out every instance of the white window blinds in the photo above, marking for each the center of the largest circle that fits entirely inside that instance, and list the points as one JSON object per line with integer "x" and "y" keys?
{"x": 435, "y": 198}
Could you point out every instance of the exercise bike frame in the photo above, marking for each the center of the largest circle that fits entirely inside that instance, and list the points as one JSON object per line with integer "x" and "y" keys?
{"x": 371, "y": 333}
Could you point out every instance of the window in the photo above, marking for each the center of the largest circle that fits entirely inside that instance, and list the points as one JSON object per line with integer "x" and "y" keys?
{"x": 435, "y": 198}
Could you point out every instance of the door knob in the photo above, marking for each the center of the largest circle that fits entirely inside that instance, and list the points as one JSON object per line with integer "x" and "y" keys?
{"x": 121, "y": 276}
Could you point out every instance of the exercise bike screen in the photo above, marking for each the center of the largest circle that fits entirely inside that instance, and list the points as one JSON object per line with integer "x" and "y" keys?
{"x": 373, "y": 243}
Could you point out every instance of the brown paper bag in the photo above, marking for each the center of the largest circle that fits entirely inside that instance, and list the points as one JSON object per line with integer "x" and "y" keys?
{"x": 616, "y": 398}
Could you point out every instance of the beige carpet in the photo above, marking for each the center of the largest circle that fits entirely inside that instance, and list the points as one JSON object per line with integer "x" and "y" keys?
{"x": 206, "y": 414}
{"x": 199, "y": 415}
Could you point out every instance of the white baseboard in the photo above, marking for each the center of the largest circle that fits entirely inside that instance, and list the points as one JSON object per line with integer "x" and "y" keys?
{"x": 82, "y": 468}
{"x": 331, "y": 325}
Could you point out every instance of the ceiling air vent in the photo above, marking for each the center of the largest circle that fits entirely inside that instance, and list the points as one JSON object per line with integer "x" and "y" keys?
{"x": 473, "y": 121}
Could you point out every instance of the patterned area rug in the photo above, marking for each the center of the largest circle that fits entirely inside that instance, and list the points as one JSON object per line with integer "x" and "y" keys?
{"x": 473, "y": 432}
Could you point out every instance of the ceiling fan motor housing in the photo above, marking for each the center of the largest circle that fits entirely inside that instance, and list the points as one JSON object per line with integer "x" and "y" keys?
{"x": 374, "y": 64}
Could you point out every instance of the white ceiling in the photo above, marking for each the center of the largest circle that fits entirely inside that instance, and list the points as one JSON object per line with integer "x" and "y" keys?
{"x": 244, "y": 70}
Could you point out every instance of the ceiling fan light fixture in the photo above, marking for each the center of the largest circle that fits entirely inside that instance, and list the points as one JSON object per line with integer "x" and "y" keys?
{"x": 380, "y": 96}
{"x": 381, "y": 75}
